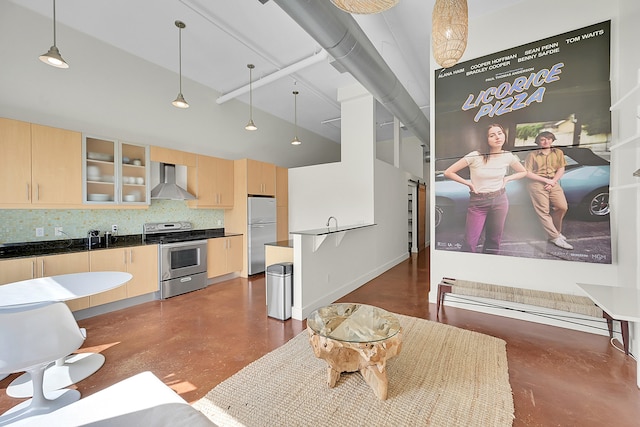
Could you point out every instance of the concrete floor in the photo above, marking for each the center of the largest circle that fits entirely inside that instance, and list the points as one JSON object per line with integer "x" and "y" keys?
{"x": 194, "y": 341}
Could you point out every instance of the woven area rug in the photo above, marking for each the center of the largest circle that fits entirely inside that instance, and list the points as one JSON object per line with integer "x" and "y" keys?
{"x": 444, "y": 376}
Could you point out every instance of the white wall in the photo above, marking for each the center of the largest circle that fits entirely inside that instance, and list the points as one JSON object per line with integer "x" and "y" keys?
{"x": 108, "y": 92}
{"x": 357, "y": 190}
{"x": 507, "y": 29}
{"x": 345, "y": 189}
{"x": 411, "y": 155}
{"x": 625, "y": 197}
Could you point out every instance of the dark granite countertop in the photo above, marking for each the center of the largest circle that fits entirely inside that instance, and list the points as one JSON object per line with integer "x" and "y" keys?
{"x": 64, "y": 246}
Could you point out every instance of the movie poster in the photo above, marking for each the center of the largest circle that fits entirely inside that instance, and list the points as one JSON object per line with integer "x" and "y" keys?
{"x": 551, "y": 98}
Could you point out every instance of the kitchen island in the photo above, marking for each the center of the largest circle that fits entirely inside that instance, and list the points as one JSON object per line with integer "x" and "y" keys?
{"x": 276, "y": 252}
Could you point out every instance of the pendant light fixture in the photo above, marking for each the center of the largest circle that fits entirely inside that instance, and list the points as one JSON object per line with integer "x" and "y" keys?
{"x": 180, "y": 102}
{"x": 295, "y": 141}
{"x": 364, "y": 7}
{"x": 449, "y": 31}
{"x": 53, "y": 57}
{"x": 250, "y": 125}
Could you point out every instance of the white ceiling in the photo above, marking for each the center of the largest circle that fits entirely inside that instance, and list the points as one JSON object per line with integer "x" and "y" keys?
{"x": 223, "y": 36}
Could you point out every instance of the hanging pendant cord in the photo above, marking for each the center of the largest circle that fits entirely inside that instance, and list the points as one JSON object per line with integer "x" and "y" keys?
{"x": 54, "y": 23}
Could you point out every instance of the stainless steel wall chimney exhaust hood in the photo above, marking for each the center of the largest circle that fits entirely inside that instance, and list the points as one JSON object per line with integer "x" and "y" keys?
{"x": 168, "y": 189}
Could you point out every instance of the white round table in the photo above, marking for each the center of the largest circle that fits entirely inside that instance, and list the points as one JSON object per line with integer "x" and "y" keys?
{"x": 64, "y": 372}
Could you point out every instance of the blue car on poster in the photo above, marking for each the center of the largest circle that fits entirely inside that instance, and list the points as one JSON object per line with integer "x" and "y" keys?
{"x": 585, "y": 184}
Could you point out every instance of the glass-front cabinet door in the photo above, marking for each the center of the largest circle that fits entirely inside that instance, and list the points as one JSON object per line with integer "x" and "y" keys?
{"x": 100, "y": 171}
{"x": 134, "y": 177}
{"x": 115, "y": 172}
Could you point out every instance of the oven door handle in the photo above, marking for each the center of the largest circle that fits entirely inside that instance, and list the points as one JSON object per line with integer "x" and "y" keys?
{"x": 183, "y": 244}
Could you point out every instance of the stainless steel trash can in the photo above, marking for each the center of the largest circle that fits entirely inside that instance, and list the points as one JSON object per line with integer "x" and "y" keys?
{"x": 280, "y": 290}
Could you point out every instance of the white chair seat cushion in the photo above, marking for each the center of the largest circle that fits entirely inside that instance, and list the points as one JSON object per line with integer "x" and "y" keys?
{"x": 141, "y": 400}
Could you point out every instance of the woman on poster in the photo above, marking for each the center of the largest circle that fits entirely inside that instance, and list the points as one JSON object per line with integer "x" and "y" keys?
{"x": 488, "y": 202}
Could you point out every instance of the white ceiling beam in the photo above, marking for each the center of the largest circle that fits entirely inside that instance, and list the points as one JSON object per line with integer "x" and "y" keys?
{"x": 290, "y": 69}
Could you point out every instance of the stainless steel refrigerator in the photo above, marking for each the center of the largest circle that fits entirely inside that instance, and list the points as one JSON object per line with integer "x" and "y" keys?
{"x": 261, "y": 230}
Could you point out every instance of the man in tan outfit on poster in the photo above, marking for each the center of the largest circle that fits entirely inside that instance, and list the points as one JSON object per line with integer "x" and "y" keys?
{"x": 545, "y": 167}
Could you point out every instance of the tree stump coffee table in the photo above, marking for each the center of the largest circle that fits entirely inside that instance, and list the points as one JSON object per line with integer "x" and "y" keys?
{"x": 355, "y": 337}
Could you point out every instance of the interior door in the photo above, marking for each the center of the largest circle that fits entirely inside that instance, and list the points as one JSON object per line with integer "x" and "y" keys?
{"x": 422, "y": 216}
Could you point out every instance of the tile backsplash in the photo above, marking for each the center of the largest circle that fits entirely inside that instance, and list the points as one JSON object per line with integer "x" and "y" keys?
{"x": 19, "y": 225}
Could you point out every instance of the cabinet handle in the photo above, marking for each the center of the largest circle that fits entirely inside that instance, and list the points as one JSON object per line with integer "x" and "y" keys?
{"x": 124, "y": 252}
{"x": 33, "y": 269}
{"x": 130, "y": 256}
{"x": 42, "y": 265}
{"x": 28, "y": 193}
{"x": 37, "y": 191}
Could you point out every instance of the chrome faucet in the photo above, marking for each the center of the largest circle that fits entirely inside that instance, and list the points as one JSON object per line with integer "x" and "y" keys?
{"x": 329, "y": 221}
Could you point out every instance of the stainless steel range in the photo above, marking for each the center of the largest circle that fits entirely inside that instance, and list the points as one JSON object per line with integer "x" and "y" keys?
{"x": 182, "y": 254}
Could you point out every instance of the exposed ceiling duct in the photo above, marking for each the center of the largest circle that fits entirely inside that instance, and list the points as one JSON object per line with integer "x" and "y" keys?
{"x": 341, "y": 36}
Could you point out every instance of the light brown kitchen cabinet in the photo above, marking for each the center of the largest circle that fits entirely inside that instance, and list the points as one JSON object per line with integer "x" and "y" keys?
{"x": 211, "y": 181}
{"x": 261, "y": 178}
{"x": 15, "y": 270}
{"x": 282, "y": 203}
{"x": 224, "y": 255}
{"x": 15, "y": 161}
{"x": 282, "y": 186}
{"x": 174, "y": 157}
{"x": 143, "y": 266}
{"x": 282, "y": 223}
{"x": 139, "y": 261}
{"x": 40, "y": 165}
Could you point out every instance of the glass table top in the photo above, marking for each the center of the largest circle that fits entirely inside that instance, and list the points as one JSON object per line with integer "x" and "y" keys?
{"x": 358, "y": 323}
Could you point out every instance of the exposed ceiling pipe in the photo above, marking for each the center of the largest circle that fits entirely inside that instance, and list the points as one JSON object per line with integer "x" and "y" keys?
{"x": 341, "y": 36}
{"x": 290, "y": 69}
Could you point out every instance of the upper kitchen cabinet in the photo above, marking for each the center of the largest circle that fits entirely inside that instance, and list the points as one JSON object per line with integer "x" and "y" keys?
{"x": 100, "y": 170}
{"x": 40, "y": 165}
{"x": 211, "y": 181}
{"x": 134, "y": 176}
{"x": 115, "y": 172}
{"x": 174, "y": 157}
{"x": 261, "y": 178}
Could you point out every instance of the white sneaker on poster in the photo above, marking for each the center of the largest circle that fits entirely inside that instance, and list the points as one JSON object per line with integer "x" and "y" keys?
{"x": 561, "y": 243}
